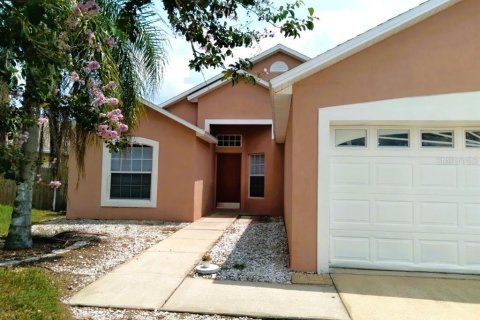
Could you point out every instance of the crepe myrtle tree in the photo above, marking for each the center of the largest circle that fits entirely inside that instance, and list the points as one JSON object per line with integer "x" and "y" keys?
{"x": 77, "y": 68}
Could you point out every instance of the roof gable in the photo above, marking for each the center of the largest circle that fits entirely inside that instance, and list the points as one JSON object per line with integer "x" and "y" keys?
{"x": 218, "y": 80}
{"x": 200, "y": 133}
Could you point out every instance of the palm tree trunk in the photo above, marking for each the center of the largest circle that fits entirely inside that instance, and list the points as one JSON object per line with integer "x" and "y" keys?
{"x": 20, "y": 231}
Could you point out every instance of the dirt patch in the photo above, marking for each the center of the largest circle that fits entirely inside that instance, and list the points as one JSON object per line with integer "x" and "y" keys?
{"x": 47, "y": 244}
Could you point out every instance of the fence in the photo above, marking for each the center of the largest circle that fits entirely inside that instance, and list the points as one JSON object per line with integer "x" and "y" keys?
{"x": 42, "y": 193}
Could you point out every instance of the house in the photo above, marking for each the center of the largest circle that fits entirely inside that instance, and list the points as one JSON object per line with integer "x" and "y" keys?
{"x": 375, "y": 157}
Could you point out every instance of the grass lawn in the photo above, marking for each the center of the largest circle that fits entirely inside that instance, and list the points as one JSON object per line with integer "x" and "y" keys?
{"x": 37, "y": 216}
{"x": 30, "y": 294}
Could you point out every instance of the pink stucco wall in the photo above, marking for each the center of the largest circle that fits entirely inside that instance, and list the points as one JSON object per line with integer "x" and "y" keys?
{"x": 439, "y": 55}
{"x": 256, "y": 140}
{"x": 176, "y": 176}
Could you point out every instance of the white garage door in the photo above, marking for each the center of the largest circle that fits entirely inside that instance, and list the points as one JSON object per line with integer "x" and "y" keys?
{"x": 405, "y": 198}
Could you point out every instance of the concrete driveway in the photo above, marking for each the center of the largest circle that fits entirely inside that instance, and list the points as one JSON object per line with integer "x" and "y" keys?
{"x": 372, "y": 295}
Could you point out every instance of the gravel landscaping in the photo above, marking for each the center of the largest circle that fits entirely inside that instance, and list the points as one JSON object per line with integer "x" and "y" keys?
{"x": 117, "y": 242}
{"x": 253, "y": 249}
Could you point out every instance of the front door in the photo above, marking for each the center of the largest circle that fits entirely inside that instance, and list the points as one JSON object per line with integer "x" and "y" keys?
{"x": 228, "y": 180}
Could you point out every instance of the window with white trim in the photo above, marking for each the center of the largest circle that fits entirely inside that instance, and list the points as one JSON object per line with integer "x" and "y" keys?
{"x": 129, "y": 177}
{"x": 229, "y": 140}
{"x": 472, "y": 139}
{"x": 437, "y": 138}
{"x": 131, "y": 173}
{"x": 350, "y": 137}
{"x": 257, "y": 176}
{"x": 393, "y": 137}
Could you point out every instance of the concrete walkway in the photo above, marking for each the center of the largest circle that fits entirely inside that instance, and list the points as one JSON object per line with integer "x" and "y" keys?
{"x": 148, "y": 280}
{"x": 156, "y": 280}
{"x": 256, "y": 299}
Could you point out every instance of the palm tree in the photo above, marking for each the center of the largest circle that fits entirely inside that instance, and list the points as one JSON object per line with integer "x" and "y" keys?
{"x": 43, "y": 50}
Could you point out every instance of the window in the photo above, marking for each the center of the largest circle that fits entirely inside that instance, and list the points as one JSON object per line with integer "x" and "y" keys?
{"x": 350, "y": 137}
{"x": 472, "y": 139}
{"x": 393, "y": 137}
{"x": 437, "y": 138}
{"x": 129, "y": 177}
{"x": 229, "y": 140}
{"x": 131, "y": 171}
{"x": 257, "y": 176}
{"x": 278, "y": 66}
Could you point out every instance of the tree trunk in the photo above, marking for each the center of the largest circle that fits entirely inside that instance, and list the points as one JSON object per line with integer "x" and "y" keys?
{"x": 20, "y": 231}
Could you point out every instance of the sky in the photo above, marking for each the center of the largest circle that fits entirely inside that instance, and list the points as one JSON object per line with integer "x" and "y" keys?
{"x": 339, "y": 21}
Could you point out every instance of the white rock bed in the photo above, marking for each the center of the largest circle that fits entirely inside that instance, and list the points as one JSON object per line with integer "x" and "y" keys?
{"x": 107, "y": 314}
{"x": 120, "y": 242}
{"x": 256, "y": 251}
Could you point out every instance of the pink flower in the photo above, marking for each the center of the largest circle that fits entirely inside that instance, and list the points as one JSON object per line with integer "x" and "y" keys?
{"x": 102, "y": 127}
{"x": 93, "y": 65}
{"x": 71, "y": 23}
{"x": 74, "y": 76}
{"x": 112, "y": 101}
{"x": 90, "y": 35}
{"x": 55, "y": 184}
{"x": 110, "y": 85}
{"x": 123, "y": 127}
{"x": 115, "y": 115}
{"x": 78, "y": 9}
{"x": 113, "y": 134}
{"x": 42, "y": 120}
{"x": 110, "y": 42}
{"x": 100, "y": 100}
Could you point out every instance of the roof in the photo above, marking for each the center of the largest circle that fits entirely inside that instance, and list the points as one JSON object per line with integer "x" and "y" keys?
{"x": 217, "y": 80}
{"x": 280, "y": 48}
{"x": 281, "y": 86}
{"x": 202, "y": 134}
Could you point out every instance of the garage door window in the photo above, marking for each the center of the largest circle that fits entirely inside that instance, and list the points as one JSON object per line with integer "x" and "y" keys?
{"x": 393, "y": 138}
{"x": 437, "y": 138}
{"x": 350, "y": 137}
{"x": 472, "y": 139}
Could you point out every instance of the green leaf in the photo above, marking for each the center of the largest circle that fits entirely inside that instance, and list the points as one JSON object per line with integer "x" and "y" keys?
{"x": 311, "y": 11}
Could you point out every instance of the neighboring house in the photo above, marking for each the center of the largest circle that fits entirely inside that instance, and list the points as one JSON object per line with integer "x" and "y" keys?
{"x": 375, "y": 161}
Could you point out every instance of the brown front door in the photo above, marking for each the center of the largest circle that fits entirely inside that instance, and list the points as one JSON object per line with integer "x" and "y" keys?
{"x": 228, "y": 177}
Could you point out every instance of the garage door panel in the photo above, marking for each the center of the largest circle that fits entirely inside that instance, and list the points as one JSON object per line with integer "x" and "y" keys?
{"x": 394, "y": 250}
{"x": 472, "y": 215}
{"x": 405, "y": 228}
{"x": 472, "y": 254}
{"x": 438, "y": 252}
{"x": 394, "y": 212}
{"x": 472, "y": 177}
{"x": 393, "y": 175}
{"x": 407, "y": 251}
{"x": 351, "y": 174}
{"x": 350, "y": 248}
{"x": 351, "y": 211}
{"x": 438, "y": 176}
{"x": 438, "y": 214}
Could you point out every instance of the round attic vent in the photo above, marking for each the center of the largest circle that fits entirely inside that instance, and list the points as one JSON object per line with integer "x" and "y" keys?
{"x": 278, "y": 66}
